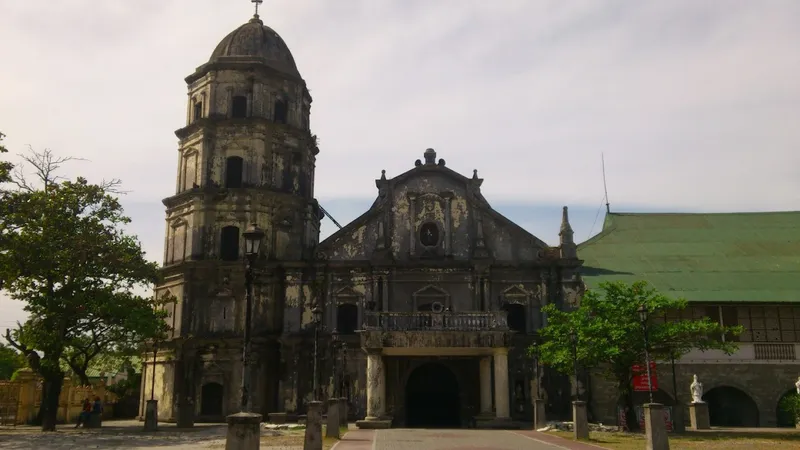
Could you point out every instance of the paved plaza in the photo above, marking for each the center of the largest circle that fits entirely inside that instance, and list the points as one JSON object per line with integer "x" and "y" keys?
{"x": 130, "y": 436}
{"x": 422, "y": 439}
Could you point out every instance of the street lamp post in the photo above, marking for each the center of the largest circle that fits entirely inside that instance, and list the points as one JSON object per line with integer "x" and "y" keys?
{"x": 317, "y": 318}
{"x": 643, "y": 319}
{"x": 252, "y": 240}
{"x": 573, "y": 339}
{"x": 535, "y": 355}
{"x": 243, "y": 427}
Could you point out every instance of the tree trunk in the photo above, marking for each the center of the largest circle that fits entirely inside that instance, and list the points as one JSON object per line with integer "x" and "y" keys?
{"x": 626, "y": 402}
{"x": 51, "y": 392}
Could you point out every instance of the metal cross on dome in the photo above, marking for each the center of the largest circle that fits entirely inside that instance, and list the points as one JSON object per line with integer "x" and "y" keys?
{"x": 257, "y": 3}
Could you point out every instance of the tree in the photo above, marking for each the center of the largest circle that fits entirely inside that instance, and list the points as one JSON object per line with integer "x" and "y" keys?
{"x": 5, "y": 166}
{"x": 63, "y": 252}
{"x": 610, "y": 338}
{"x": 10, "y": 361}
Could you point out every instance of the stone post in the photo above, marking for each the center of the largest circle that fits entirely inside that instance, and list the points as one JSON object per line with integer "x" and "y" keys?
{"x": 678, "y": 422}
{"x": 376, "y": 387}
{"x": 698, "y": 413}
{"x": 313, "y": 438}
{"x": 151, "y": 416}
{"x": 333, "y": 421}
{"x": 501, "y": 383}
{"x": 343, "y": 411}
{"x": 580, "y": 422}
{"x": 27, "y": 396}
{"x": 539, "y": 417}
{"x": 486, "y": 386}
{"x": 655, "y": 428}
{"x": 244, "y": 431}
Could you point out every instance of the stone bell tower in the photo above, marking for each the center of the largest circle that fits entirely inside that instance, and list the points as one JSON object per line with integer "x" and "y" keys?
{"x": 246, "y": 155}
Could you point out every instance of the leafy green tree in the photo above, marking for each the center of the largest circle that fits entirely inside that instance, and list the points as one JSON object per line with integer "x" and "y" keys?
{"x": 10, "y": 361}
{"x": 790, "y": 404}
{"x": 609, "y": 337}
{"x": 64, "y": 253}
{"x": 5, "y": 166}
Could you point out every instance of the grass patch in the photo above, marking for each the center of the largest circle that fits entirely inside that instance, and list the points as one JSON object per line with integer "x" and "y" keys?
{"x": 289, "y": 438}
{"x": 713, "y": 440}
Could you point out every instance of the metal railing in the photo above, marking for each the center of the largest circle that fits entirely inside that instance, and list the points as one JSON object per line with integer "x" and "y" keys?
{"x": 780, "y": 352}
{"x": 430, "y": 321}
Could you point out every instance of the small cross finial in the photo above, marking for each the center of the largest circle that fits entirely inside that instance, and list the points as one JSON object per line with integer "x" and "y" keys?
{"x": 257, "y": 3}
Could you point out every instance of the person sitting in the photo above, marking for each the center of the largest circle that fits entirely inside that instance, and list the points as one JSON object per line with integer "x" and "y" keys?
{"x": 83, "y": 417}
{"x": 96, "y": 415}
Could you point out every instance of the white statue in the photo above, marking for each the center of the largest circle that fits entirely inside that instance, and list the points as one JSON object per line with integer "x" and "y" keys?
{"x": 797, "y": 385}
{"x": 697, "y": 391}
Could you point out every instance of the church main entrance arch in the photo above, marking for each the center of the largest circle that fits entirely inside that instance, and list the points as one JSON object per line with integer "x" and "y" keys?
{"x": 432, "y": 397}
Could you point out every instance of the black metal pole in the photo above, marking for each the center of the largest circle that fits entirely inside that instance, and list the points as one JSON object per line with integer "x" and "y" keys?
{"x": 647, "y": 361}
{"x": 153, "y": 380}
{"x": 246, "y": 347}
{"x": 316, "y": 345}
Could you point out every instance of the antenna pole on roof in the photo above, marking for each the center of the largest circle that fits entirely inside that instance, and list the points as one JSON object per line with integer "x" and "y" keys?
{"x": 605, "y": 187}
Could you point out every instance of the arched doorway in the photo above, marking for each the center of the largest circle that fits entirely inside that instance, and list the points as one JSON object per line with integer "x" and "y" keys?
{"x": 785, "y": 418}
{"x": 432, "y": 397}
{"x": 211, "y": 400}
{"x": 730, "y": 407}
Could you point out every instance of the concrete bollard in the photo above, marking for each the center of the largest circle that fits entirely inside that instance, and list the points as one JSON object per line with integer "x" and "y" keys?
{"x": 655, "y": 427}
{"x": 151, "y": 416}
{"x": 313, "y": 438}
{"x": 333, "y": 422}
{"x": 244, "y": 432}
{"x": 343, "y": 411}
{"x": 580, "y": 420}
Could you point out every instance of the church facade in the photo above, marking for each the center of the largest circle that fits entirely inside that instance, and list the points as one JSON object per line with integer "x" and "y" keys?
{"x": 435, "y": 295}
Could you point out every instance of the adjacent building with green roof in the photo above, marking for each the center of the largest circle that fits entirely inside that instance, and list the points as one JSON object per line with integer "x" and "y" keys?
{"x": 736, "y": 268}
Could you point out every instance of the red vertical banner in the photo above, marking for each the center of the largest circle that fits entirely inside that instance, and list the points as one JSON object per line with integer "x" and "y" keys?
{"x": 640, "y": 383}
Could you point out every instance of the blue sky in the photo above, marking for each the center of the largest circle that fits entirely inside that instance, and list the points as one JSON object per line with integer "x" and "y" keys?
{"x": 694, "y": 103}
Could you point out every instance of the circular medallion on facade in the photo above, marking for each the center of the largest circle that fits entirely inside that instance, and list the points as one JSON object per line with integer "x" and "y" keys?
{"x": 437, "y": 307}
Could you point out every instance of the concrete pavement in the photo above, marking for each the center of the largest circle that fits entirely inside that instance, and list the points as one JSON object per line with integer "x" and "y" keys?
{"x": 425, "y": 439}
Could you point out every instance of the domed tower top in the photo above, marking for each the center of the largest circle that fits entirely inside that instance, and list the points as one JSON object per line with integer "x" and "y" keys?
{"x": 255, "y": 42}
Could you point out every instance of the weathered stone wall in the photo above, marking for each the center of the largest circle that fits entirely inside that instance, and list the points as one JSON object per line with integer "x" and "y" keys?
{"x": 764, "y": 383}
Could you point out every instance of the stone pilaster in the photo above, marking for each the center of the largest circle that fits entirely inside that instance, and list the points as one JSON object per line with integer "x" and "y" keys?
{"x": 486, "y": 385}
{"x": 376, "y": 386}
{"x": 501, "y": 383}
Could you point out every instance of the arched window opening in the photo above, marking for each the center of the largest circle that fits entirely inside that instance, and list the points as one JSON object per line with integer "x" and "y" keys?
{"x": 198, "y": 110}
{"x": 239, "y": 109}
{"x": 429, "y": 234}
{"x": 229, "y": 244}
{"x": 516, "y": 317}
{"x": 730, "y": 407}
{"x": 347, "y": 318}
{"x": 280, "y": 111}
{"x": 211, "y": 399}
{"x": 234, "y": 168}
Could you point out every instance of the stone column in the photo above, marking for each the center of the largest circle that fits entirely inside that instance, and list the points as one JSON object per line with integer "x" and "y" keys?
{"x": 376, "y": 387}
{"x": 698, "y": 414}
{"x": 580, "y": 421}
{"x": 333, "y": 421}
{"x": 448, "y": 228}
{"x": 486, "y": 385}
{"x": 655, "y": 428}
{"x": 501, "y": 405}
{"x": 244, "y": 431}
{"x": 412, "y": 221}
{"x": 313, "y": 437}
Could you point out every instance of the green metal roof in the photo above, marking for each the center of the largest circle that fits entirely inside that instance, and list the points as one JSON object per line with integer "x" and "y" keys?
{"x": 721, "y": 257}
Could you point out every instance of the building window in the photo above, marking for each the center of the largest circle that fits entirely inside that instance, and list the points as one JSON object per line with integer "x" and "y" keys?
{"x": 516, "y": 317}
{"x": 347, "y": 318}
{"x": 234, "y": 166}
{"x": 280, "y": 111}
{"x": 429, "y": 234}
{"x": 198, "y": 110}
{"x": 239, "y": 107}
{"x": 769, "y": 323}
{"x": 229, "y": 244}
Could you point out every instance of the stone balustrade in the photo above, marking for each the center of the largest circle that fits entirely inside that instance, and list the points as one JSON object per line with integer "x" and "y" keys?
{"x": 431, "y": 321}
